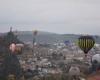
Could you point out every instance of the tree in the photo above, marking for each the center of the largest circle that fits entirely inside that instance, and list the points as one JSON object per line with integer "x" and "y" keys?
{"x": 11, "y": 38}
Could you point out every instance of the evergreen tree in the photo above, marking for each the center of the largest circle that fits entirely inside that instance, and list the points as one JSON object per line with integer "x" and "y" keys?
{"x": 11, "y": 38}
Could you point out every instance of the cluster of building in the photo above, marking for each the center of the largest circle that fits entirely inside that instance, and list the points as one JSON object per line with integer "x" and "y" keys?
{"x": 53, "y": 59}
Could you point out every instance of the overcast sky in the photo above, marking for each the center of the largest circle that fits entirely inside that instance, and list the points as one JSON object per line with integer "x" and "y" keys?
{"x": 59, "y": 16}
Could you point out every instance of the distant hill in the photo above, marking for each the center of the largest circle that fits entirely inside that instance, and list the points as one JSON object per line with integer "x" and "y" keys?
{"x": 47, "y": 37}
{"x": 42, "y": 37}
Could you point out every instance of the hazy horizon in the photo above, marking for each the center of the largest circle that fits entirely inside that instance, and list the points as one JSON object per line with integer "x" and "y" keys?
{"x": 57, "y": 16}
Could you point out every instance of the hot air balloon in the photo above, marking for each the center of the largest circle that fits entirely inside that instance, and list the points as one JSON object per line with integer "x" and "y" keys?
{"x": 35, "y": 32}
{"x": 96, "y": 57}
{"x": 34, "y": 35}
{"x": 86, "y": 43}
{"x": 16, "y": 48}
{"x": 67, "y": 42}
{"x": 13, "y": 47}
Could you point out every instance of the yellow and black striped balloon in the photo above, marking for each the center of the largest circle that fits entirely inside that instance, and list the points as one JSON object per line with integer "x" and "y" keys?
{"x": 86, "y": 43}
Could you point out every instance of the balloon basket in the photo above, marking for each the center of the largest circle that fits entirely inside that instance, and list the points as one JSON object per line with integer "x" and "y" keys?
{"x": 85, "y": 58}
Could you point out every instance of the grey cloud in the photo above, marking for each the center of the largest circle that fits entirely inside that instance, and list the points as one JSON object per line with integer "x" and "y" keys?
{"x": 44, "y": 14}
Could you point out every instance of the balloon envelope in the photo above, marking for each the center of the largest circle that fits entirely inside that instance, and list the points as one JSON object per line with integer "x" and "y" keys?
{"x": 35, "y": 32}
{"x": 96, "y": 57}
{"x": 86, "y": 43}
{"x": 13, "y": 47}
{"x": 67, "y": 43}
